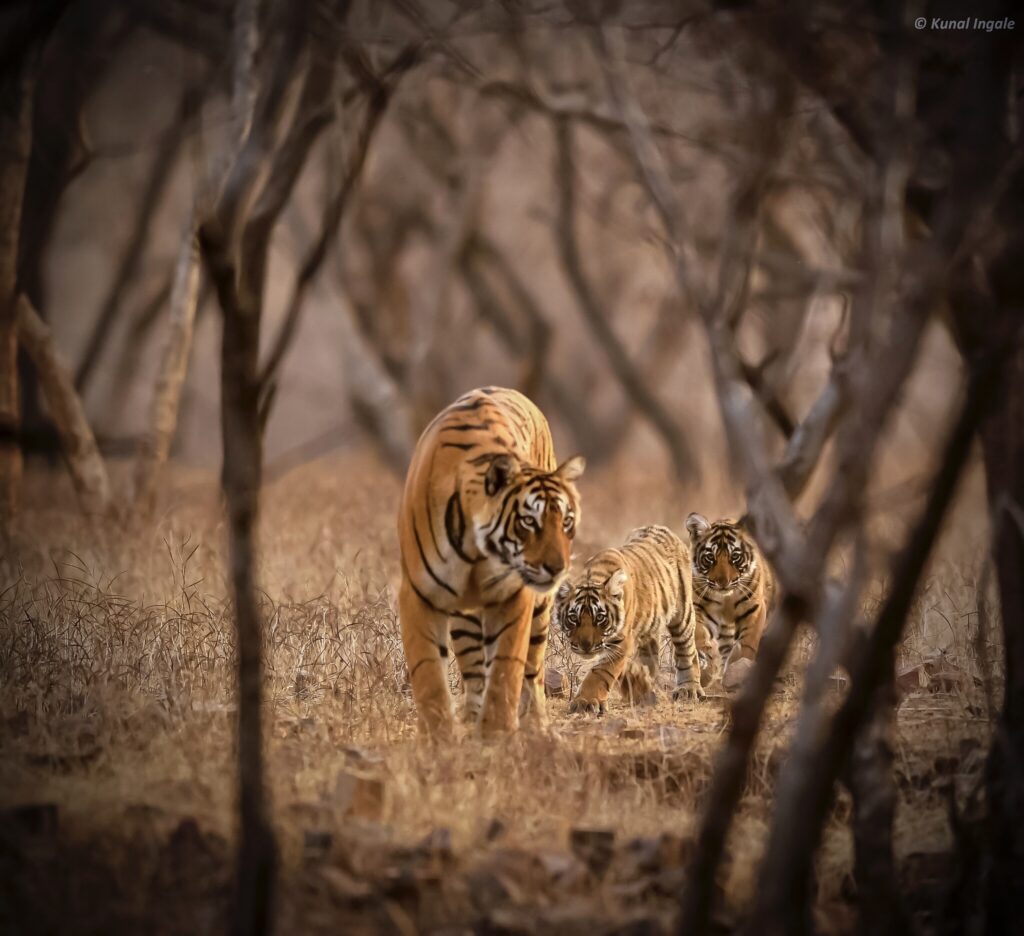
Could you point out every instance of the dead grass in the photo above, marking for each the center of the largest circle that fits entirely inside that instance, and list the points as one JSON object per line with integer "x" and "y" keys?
{"x": 116, "y": 722}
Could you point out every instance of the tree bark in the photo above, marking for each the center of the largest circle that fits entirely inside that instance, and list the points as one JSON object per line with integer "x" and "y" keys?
{"x": 88, "y": 472}
{"x": 16, "y": 100}
{"x": 156, "y": 445}
{"x": 873, "y": 787}
{"x": 1002, "y": 440}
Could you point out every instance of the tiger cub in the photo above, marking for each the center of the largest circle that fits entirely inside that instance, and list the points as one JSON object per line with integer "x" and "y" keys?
{"x": 614, "y": 614}
{"x": 485, "y": 528}
{"x": 733, "y": 590}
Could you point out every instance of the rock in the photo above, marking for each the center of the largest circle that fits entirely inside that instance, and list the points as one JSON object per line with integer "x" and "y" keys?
{"x": 31, "y": 819}
{"x": 555, "y": 684}
{"x": 736, "y": 674}
{"x": 495, "y": 830}
{"x": 343, "y": 887}
{"x": 316, "y": 844}
{"x": 594, "y": 847}
{"x": 359, "y": 795}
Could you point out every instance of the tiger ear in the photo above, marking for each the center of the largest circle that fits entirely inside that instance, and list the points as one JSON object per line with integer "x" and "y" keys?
{"x": 564, "y": 590}
{"x": 616, "y": 583}
{"x": 572, "y": 468}
{"x": 696, "y": 524}
{"x": 501, "y": 471}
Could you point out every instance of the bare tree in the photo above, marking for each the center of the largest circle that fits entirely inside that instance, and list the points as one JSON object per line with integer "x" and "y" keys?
{"x": 88, "y": 470}
{"x": 16, "y": 96}
{"x": 184, "y": 301}
{"x": 280, "y": 115}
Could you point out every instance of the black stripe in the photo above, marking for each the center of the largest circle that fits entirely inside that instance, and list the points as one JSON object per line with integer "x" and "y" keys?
{"x": 423, "y": 556}
{"x": 466, "y": 676}
{"x": 463, "y": 446}
{"x": 747, "y": 613}
{"x": 472, "y": 618}
{"x": 505, "y": 601}
{"x": 443, "y": 650}
{"x": 412, "y": 672}
{"x": 459, "y": 634}
{"x": 455, "y": 526}
{"x": 468, "y": 427}
{"x": 490, "y": 638}
{"x": 463, "y": 407}
{"x": 433, "y": 607}
{"x": 472, "y": 648}
{"x": 538, "y": 639}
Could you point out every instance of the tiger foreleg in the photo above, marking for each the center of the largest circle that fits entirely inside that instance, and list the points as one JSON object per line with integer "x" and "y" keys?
{"x": 708, "y": 657}
{"x": 593, "y": 693}
{"x": 744, "y": 650}
{"x": 532, "y": 705}
{"x": 684, "y": 647}
{"x": 636, "y": 684}
{"x": 506, "y": 642}
{"x": 468, "y": 643}
{"x": 425, "y": 637}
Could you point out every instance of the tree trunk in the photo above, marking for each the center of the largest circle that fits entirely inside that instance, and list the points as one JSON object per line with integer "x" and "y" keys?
{"x": 1002, "y": 440}
{"x": 873, "y": 787}
{"x": 173, "y": 369}
{"x": 16, "y": 96}
{"x": 88, "y": 472}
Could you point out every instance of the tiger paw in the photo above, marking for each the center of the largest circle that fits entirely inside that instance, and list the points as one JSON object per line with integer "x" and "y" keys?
{"x": 736, "y": 673}
{"x": 579, "y": 705}
{"x": 688, "y": 692}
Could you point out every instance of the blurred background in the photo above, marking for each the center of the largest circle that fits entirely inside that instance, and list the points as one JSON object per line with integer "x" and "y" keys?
{"x": 452, "y": 265}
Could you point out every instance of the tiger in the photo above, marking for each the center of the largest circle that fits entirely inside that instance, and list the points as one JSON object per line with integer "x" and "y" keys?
{"x": 485, "y": 527}
{"x": 616, "y": 610}
{"x": 734, "y": 589}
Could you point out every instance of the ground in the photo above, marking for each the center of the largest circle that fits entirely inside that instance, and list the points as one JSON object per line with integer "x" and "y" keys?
{"x": 117, "y": 717}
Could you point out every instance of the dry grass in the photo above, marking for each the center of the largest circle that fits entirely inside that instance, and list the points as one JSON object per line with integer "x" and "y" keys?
{"x": 116, "y": 719}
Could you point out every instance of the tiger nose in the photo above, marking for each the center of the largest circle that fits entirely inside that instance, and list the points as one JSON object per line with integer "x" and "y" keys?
{"x": 555, "y": 568}
{"x": 586, "y": 645}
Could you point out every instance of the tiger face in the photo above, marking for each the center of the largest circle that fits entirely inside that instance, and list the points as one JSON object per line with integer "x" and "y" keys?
{"x": 723, "y": 556}
{"x": 527, "y": 518}
{"x": 592, "y": 614}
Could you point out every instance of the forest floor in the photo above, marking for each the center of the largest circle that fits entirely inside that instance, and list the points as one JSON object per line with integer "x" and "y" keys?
{"x": 117, "y": 718}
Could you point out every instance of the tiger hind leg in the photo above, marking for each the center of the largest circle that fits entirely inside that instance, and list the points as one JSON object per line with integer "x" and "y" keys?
{"x": 425, "y": 637}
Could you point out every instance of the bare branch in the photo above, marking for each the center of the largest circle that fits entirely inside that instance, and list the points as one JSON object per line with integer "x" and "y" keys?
{"x": 88, "y": 472}
{"x": 630, "y": 379}
{"x": 823, "y": 745}
{"x": 17, "y": 94}
{"x": 138, "y": 235}
{"x": 156, "y": 444}
{"x": 334, "y": 209}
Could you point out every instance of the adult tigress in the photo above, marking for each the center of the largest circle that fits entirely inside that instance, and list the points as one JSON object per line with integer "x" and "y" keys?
{"x": 484, "y": 529}
{"x": 733, "y": 591}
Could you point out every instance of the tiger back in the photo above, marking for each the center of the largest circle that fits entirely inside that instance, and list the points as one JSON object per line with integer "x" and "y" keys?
{"x": 485, "y": 526}
{"x": 733, "y": 591}
{"x": 615, "y": 612}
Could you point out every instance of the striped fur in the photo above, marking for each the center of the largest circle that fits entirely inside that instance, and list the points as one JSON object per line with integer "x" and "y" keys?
{"x": 615, "y": 612}
{"x": 484, "y": 529}
{"x": 733, "y": 591}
